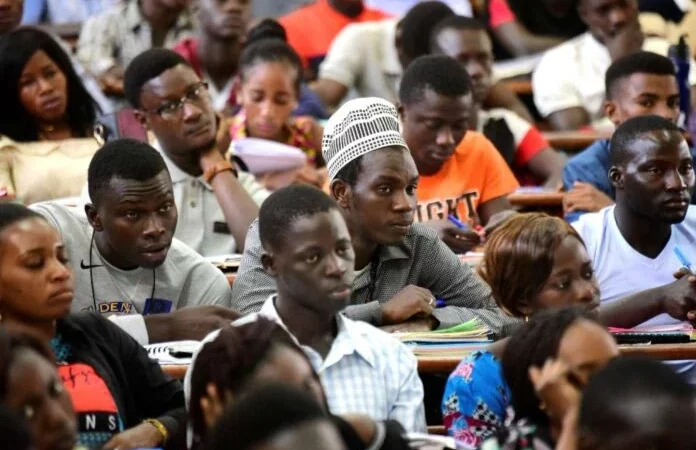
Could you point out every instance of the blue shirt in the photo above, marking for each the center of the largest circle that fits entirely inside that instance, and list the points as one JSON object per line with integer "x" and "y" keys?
{"x": 62, "y": 11}
{"x": 589, "y": 166}
{"x": 476, "y": 399}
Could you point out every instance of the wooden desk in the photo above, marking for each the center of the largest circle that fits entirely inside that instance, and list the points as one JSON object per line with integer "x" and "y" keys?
{"x": 446, "y": 365}
{"x": 520, "y": 86}
{"x": 530, "y": 200}
{"x": 573, "y": 141}
{"x": 666, "y": 352}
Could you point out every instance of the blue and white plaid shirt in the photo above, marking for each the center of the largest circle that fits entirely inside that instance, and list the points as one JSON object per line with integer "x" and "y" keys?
{"x": 365, "y": 372}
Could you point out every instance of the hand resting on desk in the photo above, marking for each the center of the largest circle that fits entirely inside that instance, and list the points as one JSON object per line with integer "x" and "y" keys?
{"x": 411, "y": 301}
{"x": 458, "y": 240}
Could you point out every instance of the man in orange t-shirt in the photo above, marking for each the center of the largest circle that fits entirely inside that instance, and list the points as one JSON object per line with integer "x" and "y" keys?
{"x": 312, "y": 28}
{"x": 471, "y": 180}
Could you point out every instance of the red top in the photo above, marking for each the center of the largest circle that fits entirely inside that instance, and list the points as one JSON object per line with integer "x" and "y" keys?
{"x": 312, "y": 28}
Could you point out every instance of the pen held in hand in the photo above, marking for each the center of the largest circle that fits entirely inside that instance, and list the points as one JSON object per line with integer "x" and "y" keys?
{"x": 686, "y": 264}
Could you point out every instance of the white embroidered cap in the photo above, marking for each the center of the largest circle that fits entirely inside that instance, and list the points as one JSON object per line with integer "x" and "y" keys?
{"x": 359, "y": 127}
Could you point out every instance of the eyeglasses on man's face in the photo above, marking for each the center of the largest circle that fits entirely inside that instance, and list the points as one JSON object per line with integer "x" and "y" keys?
{"x": 172, "y": 110}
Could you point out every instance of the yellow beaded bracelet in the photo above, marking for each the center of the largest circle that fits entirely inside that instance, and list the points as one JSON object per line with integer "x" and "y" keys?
{"x": 160, "y": 427}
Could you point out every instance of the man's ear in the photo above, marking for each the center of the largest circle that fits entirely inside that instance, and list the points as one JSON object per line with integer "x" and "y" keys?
{"x": 142, "y": 120}
{"x": 610, "y": 111}
{"x": 341, "y": 192}
{"x": 93, "y": 217}
{"x": 616, "y": 177}
{"x": 269, "y": 264}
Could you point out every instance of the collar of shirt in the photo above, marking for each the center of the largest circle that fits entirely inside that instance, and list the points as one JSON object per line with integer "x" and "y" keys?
{"x": 349, "y": 340}
{"x": 390, "y": 58}
{"x": 135, "y": 19}
{"x": 178, "y": 175}
{"x": 402, "y": 251}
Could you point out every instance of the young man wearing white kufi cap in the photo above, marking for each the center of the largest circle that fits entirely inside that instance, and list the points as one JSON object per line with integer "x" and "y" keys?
{"x": 403, "y": 268}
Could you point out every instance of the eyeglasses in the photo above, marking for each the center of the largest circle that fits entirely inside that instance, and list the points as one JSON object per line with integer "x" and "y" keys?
{"x": 197, "y": 94}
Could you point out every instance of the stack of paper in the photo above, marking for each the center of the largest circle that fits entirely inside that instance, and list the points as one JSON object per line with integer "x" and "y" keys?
{"x": 656, "y": 334}
{"x": 173, "y": 353}
{"x": 455, "y": 341}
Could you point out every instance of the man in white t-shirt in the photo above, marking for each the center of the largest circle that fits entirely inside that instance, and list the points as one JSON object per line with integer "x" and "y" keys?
{"x": 632, "y": 244}
{"x": 123, "y": 256}
{"x": 569, "y": 80}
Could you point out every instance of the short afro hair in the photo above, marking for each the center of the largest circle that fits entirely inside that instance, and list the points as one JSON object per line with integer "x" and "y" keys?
{"x": 417, "y": 26}
{"x": 532, "y": 345}
{"x": 286, "y": 205}
{"x": 638, "y": 62}
{"x": 263, "y": 413}
{"x": 462, "y": 23}
{"x": 635, "y": 129}
{"x": 146, "y": 66}
{"x": 637, "y": 385}
{"x": 129, "y": 159}
{"x": 438, "y": 73}
{"x": 230, "y": 361}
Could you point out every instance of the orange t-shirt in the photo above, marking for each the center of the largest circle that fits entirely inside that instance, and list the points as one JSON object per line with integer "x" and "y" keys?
{"x": 312, "y": 28}
{"x": 475, "y": 174}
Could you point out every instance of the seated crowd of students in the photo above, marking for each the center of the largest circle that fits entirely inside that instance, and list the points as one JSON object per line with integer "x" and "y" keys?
{"x": 122, "y": 175}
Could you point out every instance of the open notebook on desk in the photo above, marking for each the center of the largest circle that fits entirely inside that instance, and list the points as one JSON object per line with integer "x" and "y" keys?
{"x": 455, "y": 341}
{"x": 173, "y": 353}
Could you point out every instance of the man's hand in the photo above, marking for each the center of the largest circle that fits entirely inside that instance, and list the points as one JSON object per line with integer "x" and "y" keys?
{"x": 627, "y": 40}
{"x": 188, "y": 323}
{"x": 111, "y": 82}
{"x": 411, "y": 301}
{"x": 144, "y": 435}
{"x": 457, "y": 239}
{"x": 679, "y": 300}
{"x": 585, "y": 197}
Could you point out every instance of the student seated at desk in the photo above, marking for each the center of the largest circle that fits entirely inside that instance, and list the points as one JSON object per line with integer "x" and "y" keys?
{"x": 569, "y": 341}
{"x": 270, "y": 77}
{"x": 461, "y": 172}
{"x": 633, "y": 244}
{"x": 401, "y": 267}
{"x": 533, "y": 262}
{"x": 216, "y": 203}
{"x": 648, "y": 406}
{"x": 123, "y": 254}
{"x": 259, "y": 352}
{"x": 46, "y": 121}
{"x": 640, "y": 84}
{"x": 105, "y": 372}
{"x": 522, "y": 145}
{"x": 307, "y": 249}
{"x": 568, "y": 87}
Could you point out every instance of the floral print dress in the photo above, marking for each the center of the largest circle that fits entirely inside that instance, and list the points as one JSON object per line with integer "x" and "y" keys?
{"x": 476, "y": 400}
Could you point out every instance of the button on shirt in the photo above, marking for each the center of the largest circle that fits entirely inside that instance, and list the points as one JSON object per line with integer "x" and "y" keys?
{"x": 421, "y": 259}
{"x": 117, "y": 36}
{"x": 200, "y": 214}
{"x": 572, "y": 75}
{"x": 366, "y": 372}
{"x": 363, "y": 56}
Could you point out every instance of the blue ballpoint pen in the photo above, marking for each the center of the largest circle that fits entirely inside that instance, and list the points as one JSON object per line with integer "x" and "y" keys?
{"x": 684, "y": 262}
{"x": 458, "y": 223}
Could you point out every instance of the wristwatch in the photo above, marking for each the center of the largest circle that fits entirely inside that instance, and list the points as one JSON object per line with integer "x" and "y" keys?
{"x": 221, "y": 166}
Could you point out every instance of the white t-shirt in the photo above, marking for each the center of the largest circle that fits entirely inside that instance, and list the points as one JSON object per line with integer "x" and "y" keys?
{"x": 622, "y": 271}
{"x": 572, "y": 74}
{"x": 184, "y": 279}
{"x": 401, "y": 7}
{"x": 363, "y": 57}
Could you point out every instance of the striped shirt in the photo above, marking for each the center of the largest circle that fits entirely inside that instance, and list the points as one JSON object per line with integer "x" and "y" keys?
{"x": 365, "y": 372}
